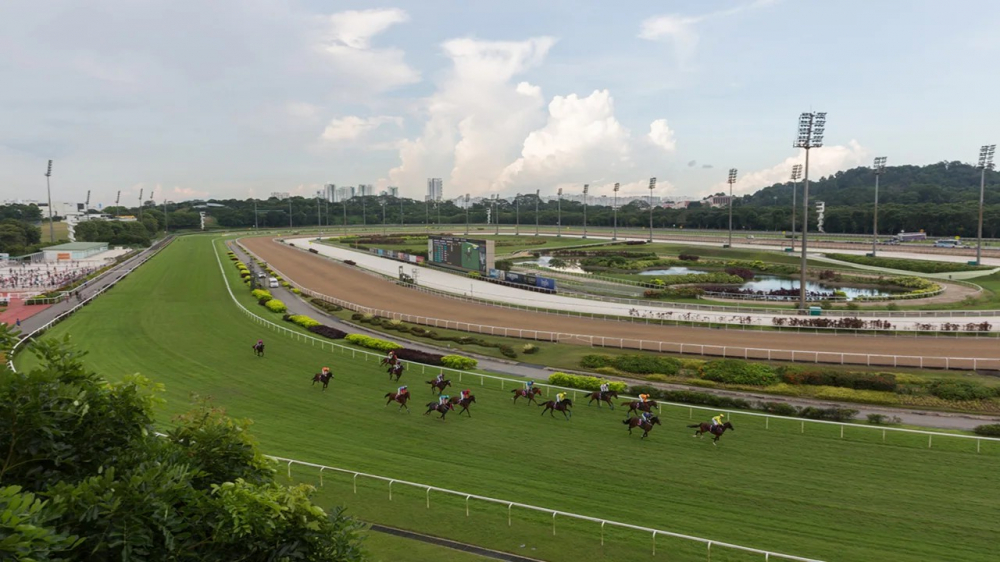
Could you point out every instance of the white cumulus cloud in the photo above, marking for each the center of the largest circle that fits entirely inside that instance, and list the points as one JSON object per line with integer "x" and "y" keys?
{"x": 352, "y": 127}
{"x": 348, "y": 44}
{"x": 661, "y": 135}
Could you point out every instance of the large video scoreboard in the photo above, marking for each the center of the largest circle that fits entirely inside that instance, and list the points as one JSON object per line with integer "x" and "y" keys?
{"x": 461, "y": 253}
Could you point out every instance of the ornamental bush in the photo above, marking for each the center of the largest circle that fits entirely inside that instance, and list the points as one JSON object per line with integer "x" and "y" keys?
{"x": 274, "y": 305}
{"x": 302, "y": 320}
{"x": 327, "y": 332}
{"x": 584, "y": 383}
{"x": 261, "y": 295}
{"x": 949, "y": 389}
{"x": 372, "y": 343}
{"x": 858, "y": 380}
{"x": 458, "y": 362}
{"x": 731, "y": 371}
{"x": 989, "y": 430}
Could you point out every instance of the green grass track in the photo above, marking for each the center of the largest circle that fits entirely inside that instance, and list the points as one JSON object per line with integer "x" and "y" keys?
{"x": 811, "y": 494}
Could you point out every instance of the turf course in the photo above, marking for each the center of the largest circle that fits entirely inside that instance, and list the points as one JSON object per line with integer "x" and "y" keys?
{"x": 809, "y": 494}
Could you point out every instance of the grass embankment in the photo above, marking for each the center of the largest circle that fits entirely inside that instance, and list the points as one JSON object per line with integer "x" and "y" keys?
{"x": 390, "y": 548}
{"x": 812, "y": 494}
{"x": 919, "y": 266}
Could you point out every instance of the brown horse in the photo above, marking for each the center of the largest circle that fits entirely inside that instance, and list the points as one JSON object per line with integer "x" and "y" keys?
{"x": 464, "y": 403}
{"x": 323, "y": 378}
{"x": 386, "y": 361}
{"x": 439, "y": 386}
{"x": 401, "y": 398}
{"x": 258, "y": 349}
{"x": 529, "y": 394}
{"x": 602, "y": 397}
{"x": 646, "y": 427}
{"x": 396, "y": 370}
{"x": 717, "y": 430}
{"x": 438, "y": 407}
{"x": 636, "y": 407}
{"x": 564, "y": 407}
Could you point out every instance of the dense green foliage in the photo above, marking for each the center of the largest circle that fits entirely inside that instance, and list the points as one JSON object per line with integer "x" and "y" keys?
{"x": 635, "y": 364}
{"x": 369, "y": 342}
{"x": 731, "y": 371}
{"x": 859, "y": 380}
{"x": 114, "y": 232}
{"x": 459, "y": 362}
{"x": 584, "y": 383}
{"x": 920, "y": 266}
{"x": 988, "y": 430}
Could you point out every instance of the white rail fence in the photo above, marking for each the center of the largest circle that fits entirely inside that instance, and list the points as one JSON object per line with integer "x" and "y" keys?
{"x": 517, "y": 383}
{"x": 708, "y": 543}
{"x": 711, "y": 350}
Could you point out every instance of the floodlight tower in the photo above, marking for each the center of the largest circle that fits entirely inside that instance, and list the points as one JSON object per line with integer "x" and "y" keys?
{"x": 614, "y": 206}
{"x": 517, "y": 214}
{"x": 652, "y": 186}
{"x": 586, "y": 188}
{"x": 985, "y": 163}
{"x": 559, "y": 214}
{"x": 537, "y": 197}
{"x": 731, "y": 181}
{"x": 382, "y": 203}
{"x": 466, "y": 214}
{"x": 879, "y": 168}
{"x": 812, "y": 125}
{"x": 48, "y": 188}
{"x": 496, "y": 212}
{"x": 796, "y": 176}
{"x": 140, "y": 204}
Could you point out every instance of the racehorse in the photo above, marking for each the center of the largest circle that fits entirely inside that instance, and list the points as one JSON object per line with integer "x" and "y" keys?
{"x": 603, "y": 397}
{"x": 564, "y": 407}
{"x": 443, "y": 408}
{"x": 439, "y": 386}
{"x": 530, "y": 394}
{"x": 396, "y": 369}
{"x": 646, "y": 427}
{"x": 717, "y": 431}
{"x": 258, "y": 348}
{"x": 401, "y": 398}
{"x": 637, "y": 406}
{"x": 323, "y": 378}
{"x": 464, "y": 403}
{"x": 386, "y": 361}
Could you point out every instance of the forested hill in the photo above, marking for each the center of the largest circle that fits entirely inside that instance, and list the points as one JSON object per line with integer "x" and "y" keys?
{"x": 940, "y": 183}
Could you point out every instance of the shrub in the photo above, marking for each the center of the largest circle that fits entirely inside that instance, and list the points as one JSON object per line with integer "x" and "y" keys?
{"x": 882, "y": 419}
{"x": 832, "y": 414}
{"x": 508, "y": 351}
{"x": 921, "y": 266}
{"x": 949, "y": 389}
{"x": 731, "y": 371}
{"x": 686, "y": 292}
{"x": 295, "y": 291}
{"x": 646, "y": 364}
{"x": 357, "y": 316}
{"x": 349, "y": 262}
{"x": 704, "y": 399}
{"x": 458, "y": 362}
{"x": 584, "y": 383}
{"x": 285, "y": 284}
{"x": 418, "y": 356}
{"x": 314, "y": 250}
{"x": 657, "y": 378}
{"x": 989, "y": 430}
{"x": 858, "y": 380}
{"x": 778, "y": 408}
{"x": 328, "y": 332}
{"x": 302, "y": 320}
{"x": 372, "y": 343}
{"x": 687, "y": 257}
{"x": 329, "y": 307}
{"x": 261, "y": 295}
{"x": 274, "y": 305}
{"x": 741, "y": 272}
{"x": 529, "y": 348}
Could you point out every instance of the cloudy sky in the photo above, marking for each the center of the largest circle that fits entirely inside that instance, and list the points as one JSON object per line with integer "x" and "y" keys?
{"x": 235, "y": 98}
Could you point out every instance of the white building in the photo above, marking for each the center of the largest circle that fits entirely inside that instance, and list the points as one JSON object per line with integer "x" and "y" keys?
{"x": 330, "y": 192}
{"x": 435, "y": 189}
{"x": 281, "y": 195}
{"x": 393, "y": 191}
{"x": 365, "y": 190}
{"x": 343, "y": 193}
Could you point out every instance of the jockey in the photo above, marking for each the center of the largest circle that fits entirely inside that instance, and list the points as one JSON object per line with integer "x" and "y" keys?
{"x": 643, "y": 398}
{"x": 326, "y": 370}
{"x": 391, "y": 357}
{"x": 443, "y": 399}
{"x": 646, "y": 417}
{"x": 717, "y": 420}
{"x": 440, "y": 377}
{"x": 402, "y": 390}
{"x": 560, "y": 397}
{"x": 604, "y": 388}
{"x": 465, "y": 394}
{"x": 260, "y": 342}
{"x": 528, "y": 385}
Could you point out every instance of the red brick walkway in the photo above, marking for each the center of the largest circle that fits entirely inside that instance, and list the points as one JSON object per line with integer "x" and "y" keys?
{"x": 18, "y": 309}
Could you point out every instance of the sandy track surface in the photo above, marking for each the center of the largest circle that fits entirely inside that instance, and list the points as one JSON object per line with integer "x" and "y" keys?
{"x": 347, "y": 283}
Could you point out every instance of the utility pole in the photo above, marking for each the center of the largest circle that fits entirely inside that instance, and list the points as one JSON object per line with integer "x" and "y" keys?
{"x": 256, "y": 226}
{"x": 344, "y": 204}
{"x": 517, "y": 214}
{"x": 614, "y": 207}
{"x": 879, "y": 170}
{"x": 811, "y": 129}
{"x": 117, "y": 199}
{"x": 496, "y": 212}
{"x": 166, "y": 225}
{"x": 985, "y": 163}
{"x": 731, "y": 181}
{"x": 537, "y": 198}
{"x": 382, "y": 202}
{"x": 652, "y": 186}
{"x": 466, "y": 214}
{"x": 140, "y": 204}
{"x": 796, "y": 176}
{"x": 48, "y": 188}
{"x": 559, "y": 214}
{"x": 586, "y": 188}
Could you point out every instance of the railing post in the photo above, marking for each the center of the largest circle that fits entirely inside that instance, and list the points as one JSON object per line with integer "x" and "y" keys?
{"x": 654, "y": 543}
{"x": 289, "y": 469}
{"x": 321, "y": 475}
{"x": 602, "y": 532}
{"x": 355, "y": 482}
{"x": 510, "y": 505}
{"x": 553, "y": 523}
{"x": 428, "y": 497}
{"x": 466, "y": 506}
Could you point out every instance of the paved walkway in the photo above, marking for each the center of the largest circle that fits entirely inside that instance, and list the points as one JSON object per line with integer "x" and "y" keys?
{"x": 18, "y": 311}
{"x": 962, "y": 275}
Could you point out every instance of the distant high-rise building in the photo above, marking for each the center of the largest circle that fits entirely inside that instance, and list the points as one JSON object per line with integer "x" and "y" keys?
{"x": 330, "y": 192}
{"x": 435, "y": 189}
{"x": 279, "y": 195}
{"x": 365, "y": 190}
{"x": 393, "y": 191}
{"x": 343, "y": 193}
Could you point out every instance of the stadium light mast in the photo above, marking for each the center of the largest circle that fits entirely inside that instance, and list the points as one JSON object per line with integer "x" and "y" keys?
{"x": 344, "y": 204}
{"x": 652, "y": 186}
{"x": 985, "y": 163}
{"x": 496, "y": 212}
{"x": 586, "y": 188}
{"x": 537, "y": 198}
{"x": 879, "y": 168}
{"x": 466, "y": 214}
{"x": 731, "y": 181}
{"x": 614, "y": 206}
{"x": 812, "y": 125}
{"x": 559, "y": 214}
{"x": 517, "y": 214}
{"x": 382, "y": 202}
{"x": 48, "y": 188}
{"x": 796, "y": 176}
{"x": 289, "y": 211}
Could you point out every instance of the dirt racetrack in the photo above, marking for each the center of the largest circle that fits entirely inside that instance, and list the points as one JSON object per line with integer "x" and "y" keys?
{"x": 345, "y": 282}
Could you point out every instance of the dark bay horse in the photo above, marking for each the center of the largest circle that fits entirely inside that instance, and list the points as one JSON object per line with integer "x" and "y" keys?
{"x": 717, "y": 431}
{"x": 646, "y": 427}
{"x": 396, "y": 370}
{"x": 386, "y": 361}
{"x": 323, "y": 378}
{"x": 553, "y": 406}
{"x": 464, "y": 403}
{"x": 602, "y": 397}
{"x": 439, "y": 386}
{"x": 401, "y": 398}
{"x": 637, "y": 406}
{"x": 529, "y": 394}
{"x": 258, "y": 349}
{"x": 438, "y": 407}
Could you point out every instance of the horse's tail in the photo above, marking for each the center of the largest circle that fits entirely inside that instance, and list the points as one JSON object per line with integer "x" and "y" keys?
{"x": 695, "y": 425}
{"x": 626, "y": 422}
{"x": 387, "y": 394}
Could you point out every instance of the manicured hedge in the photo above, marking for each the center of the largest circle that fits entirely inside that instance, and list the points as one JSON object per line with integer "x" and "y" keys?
{"x": 990, "y": 430}
{"x": 584, "y": 383}
{"x": 950, "y": 389}
{"x": 459, "y": 362}
{"x": 274, "y": 305}
{"x": 301, "y": 320}
{"x": 372, "y": 343}
{"x": 731, "y": 371}
{"x": 418, "y": 356}
{"x": 635, "y": 364}
{"x": 329, "y": 307}
{"x": 858, "y": 380}
{"x": 921, "y": 266}
{"x": 328, "y": 332}
{"x": 261, "y": 295}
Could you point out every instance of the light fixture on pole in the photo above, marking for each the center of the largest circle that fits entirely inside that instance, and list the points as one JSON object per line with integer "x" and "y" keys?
{"x": 496, "y": 212}
{"x": 615, "y": 208}
{"x": 586, "y": 187}
{"x": 559, "y": 214}
{"x": 364, "y": 210}
{"x": 466, "y": 214}
{"x": 879, "y": 168}
{"x": 537, "y": 197}
{"x": 401, "y": 222}
{"x": 48, "y": 188}
{"x": 382, "y": 202}
{"x": 652, "y": 186}
{"x": 731, "y": 181}
{"x": 289, "y": 211}
{"x": 255, "y": 223}
{"x": 796, "y": 176}
{"x": 344, "y": 203}
{"x": 985, "y": 163}
{"x": 517, "y": 214}
{"x": 427, "y": 212}
{"x": 812, "y": 125}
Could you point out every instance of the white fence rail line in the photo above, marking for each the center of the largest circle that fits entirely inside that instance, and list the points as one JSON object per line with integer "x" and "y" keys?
{"x": 145, "y": 256}
{"x": 732, "y": 352}
{"x": 555, "y": 512}
{"x": 343, "y": 349}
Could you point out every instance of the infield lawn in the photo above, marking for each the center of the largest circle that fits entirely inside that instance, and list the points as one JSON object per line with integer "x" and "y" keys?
{"x": 811, "y": 494}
